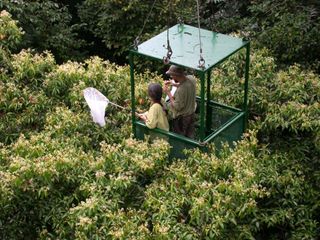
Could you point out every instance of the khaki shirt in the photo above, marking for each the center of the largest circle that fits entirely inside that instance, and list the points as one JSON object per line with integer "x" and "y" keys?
{"x": 184, "y": 98}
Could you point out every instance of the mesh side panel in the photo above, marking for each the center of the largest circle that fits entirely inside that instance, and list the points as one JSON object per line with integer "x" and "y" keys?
{"x": 231, "y": 134}
{"x": 220, "y": 116}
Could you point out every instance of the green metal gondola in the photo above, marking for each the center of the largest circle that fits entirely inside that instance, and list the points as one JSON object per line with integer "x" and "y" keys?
{"x": 217, "y": 122}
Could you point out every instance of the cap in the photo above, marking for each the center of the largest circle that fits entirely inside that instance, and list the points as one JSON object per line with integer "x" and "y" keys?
{"x": 175, "y": 71}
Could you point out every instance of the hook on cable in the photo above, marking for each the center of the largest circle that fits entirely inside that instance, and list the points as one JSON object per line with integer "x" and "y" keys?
{"x": 166, "y": 59}
{"x": 201, "y": 62}
{"x": 136, "y": 43}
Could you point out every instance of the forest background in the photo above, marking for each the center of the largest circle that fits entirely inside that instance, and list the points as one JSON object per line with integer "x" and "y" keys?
{"x": 62, "y": 177}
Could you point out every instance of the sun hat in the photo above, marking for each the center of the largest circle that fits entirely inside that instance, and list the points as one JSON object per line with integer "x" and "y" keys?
{"x": 175, "y": 71}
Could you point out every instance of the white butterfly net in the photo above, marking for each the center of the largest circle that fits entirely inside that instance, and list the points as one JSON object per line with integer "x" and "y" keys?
{"x": 97, "y": 103}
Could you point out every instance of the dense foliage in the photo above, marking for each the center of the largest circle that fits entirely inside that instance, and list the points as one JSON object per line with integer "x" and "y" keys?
{"x": 290, "y": 28}
{"x": 78, "y": 29}
{"x": 64, "y": 177}
{"x": 48, "y": 25}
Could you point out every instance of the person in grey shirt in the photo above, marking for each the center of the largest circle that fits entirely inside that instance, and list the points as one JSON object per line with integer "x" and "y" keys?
{"x": 183, "y": 103}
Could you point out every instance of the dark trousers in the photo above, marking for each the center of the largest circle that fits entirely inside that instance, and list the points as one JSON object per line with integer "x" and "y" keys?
{"x": 184, "y": 125}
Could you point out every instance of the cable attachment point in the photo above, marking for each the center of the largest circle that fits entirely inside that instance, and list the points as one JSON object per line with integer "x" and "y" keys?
{"x": 201, "y": 62}
{"x": 180, "y": 26}
{"x": 166, "y": 59}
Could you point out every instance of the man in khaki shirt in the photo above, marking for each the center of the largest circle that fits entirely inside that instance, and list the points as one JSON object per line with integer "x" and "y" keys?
{"x": 183, "y": 102}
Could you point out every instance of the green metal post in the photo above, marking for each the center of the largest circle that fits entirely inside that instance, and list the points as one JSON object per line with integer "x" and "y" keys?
{"x": 133, "y": 107}
{"x": 246, "y": 83}
{"x": 209, "y": 110}
{"x": 202, "y": 107}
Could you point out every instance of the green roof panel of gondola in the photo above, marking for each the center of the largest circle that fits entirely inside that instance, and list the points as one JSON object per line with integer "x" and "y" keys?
{"x": 185, "y": 44}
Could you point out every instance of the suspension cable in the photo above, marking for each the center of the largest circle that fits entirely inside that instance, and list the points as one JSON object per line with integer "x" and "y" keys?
{"x": 137, "y": 39}
{"x": 166, "y": 59}
{"x": 201, "y": 60}
{"x": 212, "y": 17}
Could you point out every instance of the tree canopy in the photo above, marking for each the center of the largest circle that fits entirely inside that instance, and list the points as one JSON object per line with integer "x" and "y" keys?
{"x": 63, "y": 177}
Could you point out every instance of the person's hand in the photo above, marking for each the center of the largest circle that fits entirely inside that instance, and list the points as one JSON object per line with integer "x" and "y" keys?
{"x": 167, "y": 82}
{"x": 166, "y": 88}
{"x": 170, "y": 82}
{"x": 142, "y": 116}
